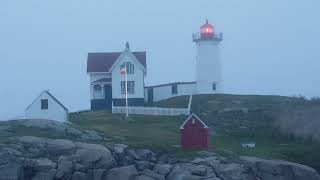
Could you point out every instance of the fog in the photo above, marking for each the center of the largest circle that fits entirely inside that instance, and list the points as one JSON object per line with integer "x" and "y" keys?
{"x": 269, "y": 47}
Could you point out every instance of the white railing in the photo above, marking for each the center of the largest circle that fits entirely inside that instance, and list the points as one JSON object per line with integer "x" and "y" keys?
{"x": 158, "y": 111}
{"x": 198, "y": 36}
{"x": 151, "y": 110}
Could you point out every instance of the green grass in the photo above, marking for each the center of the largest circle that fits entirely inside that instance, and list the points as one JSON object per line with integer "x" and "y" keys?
{"x": 17, "y": 129}
{"x": 153, "y": 131}
{"x": 251, "y": 119}
{"x": 30, "y": 131}
{"x": 303, "y": 152}
{"x": 159, "y": 133}
{"x": 162, "y": 133}
{"x": 175, "y": 102}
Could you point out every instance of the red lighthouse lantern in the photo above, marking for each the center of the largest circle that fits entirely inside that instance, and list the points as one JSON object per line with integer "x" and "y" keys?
{"x": 207, "y": 31}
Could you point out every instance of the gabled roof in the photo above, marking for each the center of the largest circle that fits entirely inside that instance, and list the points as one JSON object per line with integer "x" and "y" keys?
{"x": 102, "y": 62}
{"x": 193, "y": 115}
{"x": 49, "y": 94}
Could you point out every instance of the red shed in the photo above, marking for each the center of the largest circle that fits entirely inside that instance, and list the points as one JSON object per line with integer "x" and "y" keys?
{"x": 194, "y": 133}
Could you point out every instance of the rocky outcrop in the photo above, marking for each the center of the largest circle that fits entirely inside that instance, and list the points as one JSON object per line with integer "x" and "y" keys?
{"x": 10, "y": 167}
{"x": 11, "y": 171}
{"x": 277, "y": 169}
{"x": 67, "y": 160}
{"x": 163, "y": 169}
{"x": 58, "y": 159}
{"x": 93, "y": 156}
{"x": 54, "y": 127}
{"x": 123, "y": 173}
{"x": 65, "y": 167}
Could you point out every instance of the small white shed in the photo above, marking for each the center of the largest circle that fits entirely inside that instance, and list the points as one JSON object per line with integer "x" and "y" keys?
{"x": 46, "y": 106}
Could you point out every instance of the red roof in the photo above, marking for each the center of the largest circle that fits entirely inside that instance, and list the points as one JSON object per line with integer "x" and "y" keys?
{"x": 102, "y": 62}
{"x": 194, "y": 118}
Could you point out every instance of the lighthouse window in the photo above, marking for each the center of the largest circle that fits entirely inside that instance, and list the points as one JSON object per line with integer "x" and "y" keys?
{"x": 214, "y": 87}
{"x": 174, "y": 89}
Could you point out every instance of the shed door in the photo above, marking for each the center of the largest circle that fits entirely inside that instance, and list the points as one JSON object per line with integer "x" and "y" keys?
{"x": 196, "y": 134}
{"x": 199, "y": 137}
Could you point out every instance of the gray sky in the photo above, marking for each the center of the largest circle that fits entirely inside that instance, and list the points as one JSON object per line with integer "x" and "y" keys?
{"x": 269, "y": 47}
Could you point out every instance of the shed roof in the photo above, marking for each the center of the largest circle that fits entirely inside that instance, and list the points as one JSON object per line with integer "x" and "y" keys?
{"x": 55, "y": 99}
{"x": 193, "y": 115}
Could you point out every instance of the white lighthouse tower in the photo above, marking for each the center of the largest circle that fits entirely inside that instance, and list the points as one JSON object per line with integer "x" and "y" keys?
{"x": 208, "y": 66}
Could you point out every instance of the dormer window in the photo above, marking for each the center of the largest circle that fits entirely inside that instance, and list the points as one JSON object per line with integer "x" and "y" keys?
{"x": 129, "y": 67}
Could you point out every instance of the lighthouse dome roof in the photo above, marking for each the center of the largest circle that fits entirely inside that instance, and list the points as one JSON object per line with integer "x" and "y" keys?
{"x": 207, "y": 25}
{"x": 207, "y": 29}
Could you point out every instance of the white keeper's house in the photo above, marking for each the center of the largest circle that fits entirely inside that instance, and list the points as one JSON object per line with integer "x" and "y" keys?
{"x": 107, "y": 83}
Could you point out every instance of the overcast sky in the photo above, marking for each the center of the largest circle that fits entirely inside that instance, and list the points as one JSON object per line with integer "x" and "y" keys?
{"x": 269, "y": 46}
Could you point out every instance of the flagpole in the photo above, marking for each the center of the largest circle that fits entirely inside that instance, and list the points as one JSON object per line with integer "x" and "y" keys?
{"x": 126, "y": 85}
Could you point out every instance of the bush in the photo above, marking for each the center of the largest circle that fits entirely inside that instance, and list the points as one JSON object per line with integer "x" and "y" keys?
{"x": 315, "y": 100}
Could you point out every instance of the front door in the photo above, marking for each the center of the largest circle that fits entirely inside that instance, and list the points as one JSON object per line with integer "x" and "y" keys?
{"x": 108, "y": 95}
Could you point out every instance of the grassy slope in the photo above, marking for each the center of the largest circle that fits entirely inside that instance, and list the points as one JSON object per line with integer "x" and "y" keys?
{"x": 152, "y": 131}
{"x": 225, "y": 114}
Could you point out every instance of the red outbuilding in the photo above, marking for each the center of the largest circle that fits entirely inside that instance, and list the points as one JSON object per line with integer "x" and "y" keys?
{"x": 194, "y": 133}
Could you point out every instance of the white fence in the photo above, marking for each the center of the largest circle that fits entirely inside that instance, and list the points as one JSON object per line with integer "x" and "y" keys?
{"x": 153, "y": 110}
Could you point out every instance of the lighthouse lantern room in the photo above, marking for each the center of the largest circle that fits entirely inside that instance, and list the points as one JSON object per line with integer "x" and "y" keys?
{"x": 208, "y": 66}
{"x": 207, "y": 30}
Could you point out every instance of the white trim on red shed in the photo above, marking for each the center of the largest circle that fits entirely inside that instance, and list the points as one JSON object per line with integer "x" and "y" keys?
{"x": 193, "y": 115}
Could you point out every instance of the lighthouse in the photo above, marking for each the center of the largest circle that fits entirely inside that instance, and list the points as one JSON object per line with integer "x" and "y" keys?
{"x": 208, "y": 65}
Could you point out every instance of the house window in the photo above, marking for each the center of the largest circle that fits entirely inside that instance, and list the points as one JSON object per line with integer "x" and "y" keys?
{"x": 174, "y": 89}
{"x": 44, "y": 103}
{"x": 97, "y": 88}
{"x": 214, "y": 87}
{"x": 129, "y": 67}
{"x": 130, "y": 87}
